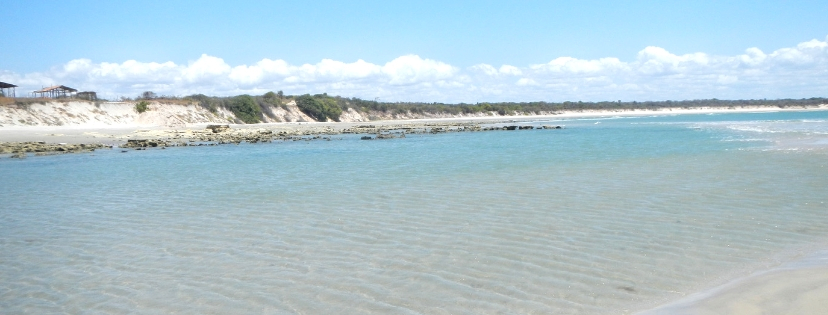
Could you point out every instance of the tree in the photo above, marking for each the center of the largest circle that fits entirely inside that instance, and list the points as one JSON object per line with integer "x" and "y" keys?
{"x": 271, "y": 97}
{"x": 148, "y": 95}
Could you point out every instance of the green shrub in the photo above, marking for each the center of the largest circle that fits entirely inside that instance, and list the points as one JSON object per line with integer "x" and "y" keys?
{"x": 245, "y": 109}
{"x": 319, "y": 107}
{"x": 141, "y": 106}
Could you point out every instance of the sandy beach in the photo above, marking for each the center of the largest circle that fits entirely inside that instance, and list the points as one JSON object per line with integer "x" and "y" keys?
{"x": 798, "y": 287}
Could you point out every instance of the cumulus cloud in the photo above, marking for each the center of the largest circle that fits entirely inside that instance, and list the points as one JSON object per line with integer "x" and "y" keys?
{"x": 412, "y": 69}
{"x": 569, "y": 65}
{"x": 492, "y": 71}
{"x": 510, "y": 70}
{"x": 654, "y": 73}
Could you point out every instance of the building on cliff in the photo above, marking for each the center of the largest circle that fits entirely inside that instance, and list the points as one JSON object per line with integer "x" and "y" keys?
{"x": 7, "y": 89}
{"x": 57, "y": 91}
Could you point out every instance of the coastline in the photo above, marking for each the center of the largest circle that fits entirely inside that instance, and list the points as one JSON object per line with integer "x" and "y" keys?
{"x": 115, "y": 134}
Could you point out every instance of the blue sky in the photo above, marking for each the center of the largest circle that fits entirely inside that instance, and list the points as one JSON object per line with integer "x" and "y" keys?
{"x": 424, "y": 50}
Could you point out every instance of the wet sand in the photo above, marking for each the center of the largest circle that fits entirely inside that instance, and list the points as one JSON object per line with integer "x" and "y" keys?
{"x": 799, "y": 287}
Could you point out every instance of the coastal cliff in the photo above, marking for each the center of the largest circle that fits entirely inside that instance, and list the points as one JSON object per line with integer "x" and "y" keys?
{"x": 102, "y": 114}
{"x": 178, "y": 113}
{"x": 92, "y": 114}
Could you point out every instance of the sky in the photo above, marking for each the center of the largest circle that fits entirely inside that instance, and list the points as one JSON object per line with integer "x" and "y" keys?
{"x": 431, "y": 51}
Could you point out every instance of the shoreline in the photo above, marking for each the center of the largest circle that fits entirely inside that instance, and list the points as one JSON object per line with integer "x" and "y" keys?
{"x": 795, "y": 287}
{"x": 119, "y": 133}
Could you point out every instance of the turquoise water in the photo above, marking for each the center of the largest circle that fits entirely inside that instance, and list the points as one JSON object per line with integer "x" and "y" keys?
{"x": 609, "y": 215}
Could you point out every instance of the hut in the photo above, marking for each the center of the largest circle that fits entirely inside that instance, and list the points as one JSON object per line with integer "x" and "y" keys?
{"x": 5, "y": 88}
{"x": 57, "y": 91}
{"x": 87, "y": 95}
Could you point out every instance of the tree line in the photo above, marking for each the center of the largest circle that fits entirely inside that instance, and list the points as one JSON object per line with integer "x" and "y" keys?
{"x": 323, "y": 107}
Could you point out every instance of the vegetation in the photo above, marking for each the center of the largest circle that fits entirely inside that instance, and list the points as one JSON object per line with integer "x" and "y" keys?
{"x": 321, "y": 107}
{"x": 512, "y": 108}
{"x": 246, "y": 109}
{"x": 148, "y": 95}
{"x": 141, "y": 106}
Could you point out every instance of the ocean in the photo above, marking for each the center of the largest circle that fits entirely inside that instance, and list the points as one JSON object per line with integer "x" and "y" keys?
{"x": 610, "y": 215}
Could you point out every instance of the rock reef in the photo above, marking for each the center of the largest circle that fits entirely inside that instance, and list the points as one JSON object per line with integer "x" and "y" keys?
{"x": 220, "y": 134}
{"x": 22, "y": 149}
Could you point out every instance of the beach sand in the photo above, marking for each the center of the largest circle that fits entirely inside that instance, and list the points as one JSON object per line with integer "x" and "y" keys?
{"x": 799, "y": 287}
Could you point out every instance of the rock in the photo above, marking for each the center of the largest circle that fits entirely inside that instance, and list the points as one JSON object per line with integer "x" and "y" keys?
{"x": 366, "y": 138}
{"x": 218, "y": 128}
{"x": 510, "y": 127}
{"x": 143, "y": 143}
{"x": 526, "y": 127}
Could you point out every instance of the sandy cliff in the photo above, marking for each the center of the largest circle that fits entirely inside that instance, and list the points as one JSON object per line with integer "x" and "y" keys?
{"x": 100, "y": 114}
{"x": 86, "y": 114}
{"x": 123, "y": 114}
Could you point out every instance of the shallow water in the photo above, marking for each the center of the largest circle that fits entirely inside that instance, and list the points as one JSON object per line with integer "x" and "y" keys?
{"x": 609, "y": 215}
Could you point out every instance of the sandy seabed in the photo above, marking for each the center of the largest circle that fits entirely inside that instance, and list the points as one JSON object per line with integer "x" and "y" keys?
{"x": 800, "y": 287}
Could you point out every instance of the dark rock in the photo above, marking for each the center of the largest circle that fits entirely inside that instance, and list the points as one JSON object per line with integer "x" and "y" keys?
{"x": 218, "y": 128}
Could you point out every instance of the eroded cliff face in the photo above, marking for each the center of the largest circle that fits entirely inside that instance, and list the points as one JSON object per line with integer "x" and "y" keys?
{"x": 101, "y": 114}
{"x": 83, "y": 113}
{"x": 91, "y": 114}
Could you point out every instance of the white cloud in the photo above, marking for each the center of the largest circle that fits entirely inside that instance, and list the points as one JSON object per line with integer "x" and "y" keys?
{"x": 487, "y": 69}
{"x": 492, "y": 71}
{"x": 569, "y": 65}
{"x": 510, "y": 70}
{"x": 752, "y": 57}
{"x": 526, "y": 81}
{"x": 727, "y": 79}
{"x": 412, "y": 69}
{"x": 205, "y": 68}
{"x": 653, "y": 74}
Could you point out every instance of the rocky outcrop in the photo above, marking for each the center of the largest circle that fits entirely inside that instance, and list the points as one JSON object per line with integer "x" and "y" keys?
{"x": 222, "y": 134}
{"x": 218, "y": 128}
{"x": 20, "y": 149}
{"x": 138, "y": 143}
